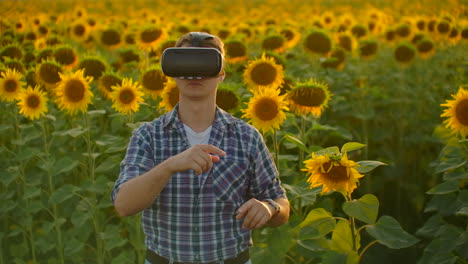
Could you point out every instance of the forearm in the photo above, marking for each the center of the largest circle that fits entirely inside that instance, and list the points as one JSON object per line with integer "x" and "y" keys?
{"x": 283, "y": 216}
{"x": 139, "y": 193}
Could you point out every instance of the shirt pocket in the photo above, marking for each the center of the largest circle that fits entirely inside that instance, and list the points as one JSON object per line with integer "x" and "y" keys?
{"x": 230, "y": 180}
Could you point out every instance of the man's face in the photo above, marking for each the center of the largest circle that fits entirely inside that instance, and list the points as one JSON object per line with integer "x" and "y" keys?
{"x": 198, "y": 88}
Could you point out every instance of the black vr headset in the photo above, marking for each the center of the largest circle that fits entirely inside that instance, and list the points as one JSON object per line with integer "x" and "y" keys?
{"x": 192, "y": 62}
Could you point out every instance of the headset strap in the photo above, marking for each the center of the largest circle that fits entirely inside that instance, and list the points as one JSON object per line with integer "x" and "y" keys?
{"x": 198, "y": 37}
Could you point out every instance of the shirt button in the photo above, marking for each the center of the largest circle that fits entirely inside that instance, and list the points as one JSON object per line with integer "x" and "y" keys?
{"x": 195, "y": 228}
{"x": 197, "y": 257}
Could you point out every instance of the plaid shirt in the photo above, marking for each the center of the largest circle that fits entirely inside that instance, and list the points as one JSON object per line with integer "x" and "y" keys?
{"x": 193, "y": 218}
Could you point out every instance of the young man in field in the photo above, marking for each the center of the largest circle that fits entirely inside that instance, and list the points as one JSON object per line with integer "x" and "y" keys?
{"x": 203, "y": 178}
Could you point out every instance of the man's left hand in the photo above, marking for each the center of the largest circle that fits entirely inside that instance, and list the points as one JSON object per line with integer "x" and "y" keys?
{"x": 256, "y": 214}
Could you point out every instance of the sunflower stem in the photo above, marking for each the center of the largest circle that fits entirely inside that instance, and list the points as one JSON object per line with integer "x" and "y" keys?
{"x": 276, "y": 148}
{"x": 45, "y": 136}
{"x": 366, "y": 248}
{"x": 303, "y": 139}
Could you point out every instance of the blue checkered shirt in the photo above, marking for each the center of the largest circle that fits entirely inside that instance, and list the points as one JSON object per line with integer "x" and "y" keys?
{"x": 193, "y": 218}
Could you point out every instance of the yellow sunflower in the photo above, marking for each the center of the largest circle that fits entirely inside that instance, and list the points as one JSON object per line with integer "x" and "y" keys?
{"x": 127, "y": 96}
{"x": 266, "y": 109}
{"x": 263, "y": 72}
{"x": 153, "y": 81}
{"x": 73, "y": 92}
{"x": 333, "y": 173}
{"x": 170, "y": 95}
{"x": 33, "y": 103}
{"x": 10, "y": 85}
{"x": 149, "y": 38}
{"x": 457, "y": 113}
{"x": 106, "y": 83}
{"x": 310, "y": 97}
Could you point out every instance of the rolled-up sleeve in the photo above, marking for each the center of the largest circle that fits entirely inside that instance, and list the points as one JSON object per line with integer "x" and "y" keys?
{"x": 265, "y": 182}
{"x": 138, "y": 160}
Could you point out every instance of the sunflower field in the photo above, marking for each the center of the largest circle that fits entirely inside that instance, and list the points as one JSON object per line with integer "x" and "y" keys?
{"x": 363, "y": 105}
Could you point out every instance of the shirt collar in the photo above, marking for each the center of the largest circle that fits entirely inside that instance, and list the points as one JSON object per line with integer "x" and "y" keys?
{"x": 221, "y": 117}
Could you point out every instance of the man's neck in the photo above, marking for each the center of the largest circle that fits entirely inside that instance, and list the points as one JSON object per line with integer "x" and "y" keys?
{"x": 197, "y": 115}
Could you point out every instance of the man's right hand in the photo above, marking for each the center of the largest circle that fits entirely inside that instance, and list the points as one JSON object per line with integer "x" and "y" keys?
{"x": 199, "y": 158}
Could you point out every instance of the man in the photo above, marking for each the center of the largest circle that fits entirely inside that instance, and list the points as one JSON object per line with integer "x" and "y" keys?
{"x": 203, "y": 178}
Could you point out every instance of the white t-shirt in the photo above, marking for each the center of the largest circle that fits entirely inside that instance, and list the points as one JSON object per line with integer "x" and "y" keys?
{"x": 197, "y": 138}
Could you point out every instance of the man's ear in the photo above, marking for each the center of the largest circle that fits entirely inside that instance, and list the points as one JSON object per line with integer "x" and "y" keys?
{"x": 222, "y": 76}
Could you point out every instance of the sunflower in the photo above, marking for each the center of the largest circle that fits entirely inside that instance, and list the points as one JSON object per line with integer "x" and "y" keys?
{"x": 310, "y": 97}
{"x": 333, "y": 173}
{"x": 404, "y": 53}
{"x": 48, "y": 73}
{"x": 368, "y": 48}
{"x": 236, "y": 51}
{"x": 110, "y": 38}
{"x": 153, "y": 81}
{"x": 107, "y": 81}
{"x": 10, "y": 85}
{"x": 127, "y": 96}
{"x": 150, "y": 37}
{"x": 292, "y": 36}
{"x": 93, "y": 66}
{"x": 66, "y": 56}
{"x": 226, "y": 97}
{"x": 425, "y": 47}
{"x": 79, "y": 30}
{"x": 274, "y": 42}
{"x": 170, "y": 95}
{"x": 73, "y": 92}
{"x": 33, "y": 103}
{"x": 336, "y": 60}
{"x": 457, "y": 113}
{"x": 403, "y": 30}
{"x": 266, "y": 109}
{"x": 263, "y": 72}
{"x": 12, "y": 51}
{"x": 359, "y": 31}
{"x": 346, "y": 41}
{"x": 318, "y": 42}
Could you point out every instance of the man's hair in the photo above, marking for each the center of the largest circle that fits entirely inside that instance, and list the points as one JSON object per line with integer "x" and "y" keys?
{"x": 214, "y": 42}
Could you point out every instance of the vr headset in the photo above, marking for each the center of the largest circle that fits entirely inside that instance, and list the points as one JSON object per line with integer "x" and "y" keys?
{"x": 192, "y": 62}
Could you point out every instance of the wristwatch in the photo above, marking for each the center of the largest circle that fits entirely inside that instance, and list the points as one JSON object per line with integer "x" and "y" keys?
{"x": 274, "y": 204}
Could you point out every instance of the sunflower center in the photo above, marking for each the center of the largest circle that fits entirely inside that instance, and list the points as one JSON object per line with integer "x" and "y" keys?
{"x": 263, "y": 74}
{"x": 11, "y": 85}
{"x": 154, "y": 80}
{"x": 318, "y": 42}
{"x": 461, "y": 112}
{"x": 127, "y": 96}
{"x": 266, "y": 109}
{"x": 65, "y": 56}
{"x": 75, "y": 90}
{"x": 337, "y": 173}
{"x": 150, "y": 35}
{"x": 309, "y": 96}
{"x": 404, "y": 54}
{"x": 79, "y": 30}
{"x": 33, "y": 101}
{"x": 235, "y": 49}
{"x": 49, "y": 73}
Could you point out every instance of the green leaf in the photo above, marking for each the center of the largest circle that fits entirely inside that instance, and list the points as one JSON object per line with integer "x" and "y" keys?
{"x": 317, "y": 214}
{"x": 333, "y": 257}
{"x": 463, "y": 211}
{"x": 319, "y": 244}
{"x": 64, "y": 165}
{"x": 459, "y": 174}
{"x": 444, "y": 188}
{"x": 450, "y": 164}
{"x": 73, "y": 246}
{"x": 342, "y": 238}
{"x": 330, "y": 151}
{"x": 432, "y": 225}
{"x": 368, "y": 165}
{"x": 296, "y": 142}
{"x": 318, "y": 223}
{"x": 62, "y": 194}
{"x": 301, "y": 191}
{"x": 350, "y": 146}
{"x": 26, "y": 153}
{"x": 31, "y": 192}
{"x": 388, "y": 232}
{"x": 280, "y": 240}
{"x": 74, "y": 132}
{"x": 93, "y": 113}
{"x": 365, "y": 209}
